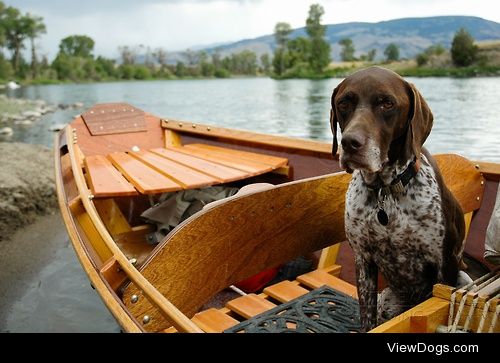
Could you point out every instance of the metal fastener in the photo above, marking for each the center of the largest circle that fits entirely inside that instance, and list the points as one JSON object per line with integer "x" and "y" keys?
{"x": 477, "y": 198}
{"x": 193, "y": 126}
{"x": 134, "y": 299}
{"x": 133, "y": 261}
{"x": 482, "y": 182}
{"x": 208, "y": 128}
{"x": 91, "y": 196}
{"x": 180, "y": 125}
{"x": 476, "y": 166}
{"x": 146, "y": 319}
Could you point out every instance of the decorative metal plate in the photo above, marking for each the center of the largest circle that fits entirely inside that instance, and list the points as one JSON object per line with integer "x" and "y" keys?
{"x": 324, "y": 310}
{"x": 114, "y": 118}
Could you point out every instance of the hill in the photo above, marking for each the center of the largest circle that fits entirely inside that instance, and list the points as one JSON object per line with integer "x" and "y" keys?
{"x": 412, "y": 35}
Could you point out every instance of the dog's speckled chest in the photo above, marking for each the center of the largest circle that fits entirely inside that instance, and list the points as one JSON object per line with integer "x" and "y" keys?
{"x": 408, "y": 251}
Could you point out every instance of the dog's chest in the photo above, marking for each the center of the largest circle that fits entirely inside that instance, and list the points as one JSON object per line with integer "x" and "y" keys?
{"x": 413, "y": 236}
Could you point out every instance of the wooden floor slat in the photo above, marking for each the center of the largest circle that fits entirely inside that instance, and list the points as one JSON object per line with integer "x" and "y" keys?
{"x": 232, "y": 161}
{"x": 224, "y": 173}
{"x": 145, "y": 179}
{"x": 274, "y": 161}
{"x": 214, "y": 321}
{"x": 318, "y": 278}
{"x": 249, "y": 305}
{"x": 285, "y": 291}
{"x": 105, "y": 180}
{"x": 189, "y": 178}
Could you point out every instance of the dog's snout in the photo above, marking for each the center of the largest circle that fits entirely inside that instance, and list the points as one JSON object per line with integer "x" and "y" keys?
{"x": 353, "y": 142}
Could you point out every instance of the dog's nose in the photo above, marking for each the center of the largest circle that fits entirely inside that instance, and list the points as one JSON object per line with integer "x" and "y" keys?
{"x": 353, "y": 142}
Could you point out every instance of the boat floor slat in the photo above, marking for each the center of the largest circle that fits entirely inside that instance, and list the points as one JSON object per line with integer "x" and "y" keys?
{"x": 249, "y": 305}
{"x": 105, "y": 180}
{"x": 214, "y": 321}
{"x": 318, "y": 278}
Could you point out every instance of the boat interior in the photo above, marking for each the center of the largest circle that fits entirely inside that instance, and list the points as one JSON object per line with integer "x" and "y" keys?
{"x": 114, "y": 162}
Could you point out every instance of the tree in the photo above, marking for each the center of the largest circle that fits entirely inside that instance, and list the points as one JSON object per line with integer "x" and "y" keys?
{"x": 463, "y": 50}
{"x": 319, "y": 56}
{"x": 35, "y": 27}
{"x": 347, "y": 52}
{"x": 77, "y": 46}
{"x": 370, "y": 56}
{"x": 391, "y": 52}
{"x": 128, "y": 54}
{"x": 14, "y": 28}
{"x": 265, "y": 63}
{"x": 281, "y": 33}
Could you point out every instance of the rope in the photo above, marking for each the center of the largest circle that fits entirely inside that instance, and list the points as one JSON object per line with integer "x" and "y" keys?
{"x": 470, "y": 287}
{"x": 484, "y": 314}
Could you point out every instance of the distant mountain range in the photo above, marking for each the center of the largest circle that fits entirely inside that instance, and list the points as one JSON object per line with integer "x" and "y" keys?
{"x": 412, "y": 35}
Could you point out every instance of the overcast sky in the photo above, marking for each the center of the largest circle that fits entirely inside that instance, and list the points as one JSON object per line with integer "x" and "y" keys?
{"x": 181, "y": 24}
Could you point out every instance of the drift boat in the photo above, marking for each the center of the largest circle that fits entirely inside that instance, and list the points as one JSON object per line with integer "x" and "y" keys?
{"x": 114, "y": 163}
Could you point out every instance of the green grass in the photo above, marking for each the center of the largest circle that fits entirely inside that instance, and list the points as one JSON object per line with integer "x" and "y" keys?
{"x": 458, "y": 72}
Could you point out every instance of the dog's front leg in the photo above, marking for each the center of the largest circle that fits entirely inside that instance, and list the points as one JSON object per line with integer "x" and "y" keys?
{"x": 366, "y": 275}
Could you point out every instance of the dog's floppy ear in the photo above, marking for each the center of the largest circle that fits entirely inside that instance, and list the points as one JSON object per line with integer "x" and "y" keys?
{"x": 333, "y": 123}
{"x": 420, "y": 119}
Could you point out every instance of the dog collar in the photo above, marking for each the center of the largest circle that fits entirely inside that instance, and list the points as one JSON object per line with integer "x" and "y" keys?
{"x": 401, "y": 181}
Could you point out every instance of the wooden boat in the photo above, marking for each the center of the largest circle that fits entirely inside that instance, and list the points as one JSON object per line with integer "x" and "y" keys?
{"x": 114, "y": 161}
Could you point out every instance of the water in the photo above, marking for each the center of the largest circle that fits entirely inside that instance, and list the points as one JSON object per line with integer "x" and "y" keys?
{"x": 57, "y": 297}
{"x": 466, "y": 111}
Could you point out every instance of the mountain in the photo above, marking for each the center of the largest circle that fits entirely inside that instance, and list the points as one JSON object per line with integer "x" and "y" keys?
{"x": 412, "y": 35}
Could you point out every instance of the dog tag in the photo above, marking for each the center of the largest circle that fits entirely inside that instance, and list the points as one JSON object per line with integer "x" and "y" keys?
{"x": 382, "y": 217}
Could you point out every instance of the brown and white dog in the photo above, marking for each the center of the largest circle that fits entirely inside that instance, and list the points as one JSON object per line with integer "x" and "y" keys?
{"x": 400, "y": 218}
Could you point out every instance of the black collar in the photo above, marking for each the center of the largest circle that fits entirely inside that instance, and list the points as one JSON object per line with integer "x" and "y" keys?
{"x": 401, "y": 181}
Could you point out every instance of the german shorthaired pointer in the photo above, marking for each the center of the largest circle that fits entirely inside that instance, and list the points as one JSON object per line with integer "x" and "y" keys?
{"x": 400, "y": 218}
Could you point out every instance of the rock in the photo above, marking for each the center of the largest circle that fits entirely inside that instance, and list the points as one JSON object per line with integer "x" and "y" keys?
{"x": 27, "y": 185}
{"x": 57, "y": 127}
{"x": 23, "y": 122}
{"x": 32, "y": 114}
{"x": 6, "y": 131}
{"x": 12, "y": 85}
{"x": 78, "y": 104}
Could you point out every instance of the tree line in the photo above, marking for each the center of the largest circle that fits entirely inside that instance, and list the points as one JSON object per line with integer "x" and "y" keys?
{"x": 303, "y": 57}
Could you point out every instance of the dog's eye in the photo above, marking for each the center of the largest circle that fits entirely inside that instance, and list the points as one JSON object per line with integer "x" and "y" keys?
{"x": 343, "y": 105}
{"x": 386, "y": 104}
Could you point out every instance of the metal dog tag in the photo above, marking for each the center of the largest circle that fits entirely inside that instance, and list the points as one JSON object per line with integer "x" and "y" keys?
{"x": 382, "y": 217}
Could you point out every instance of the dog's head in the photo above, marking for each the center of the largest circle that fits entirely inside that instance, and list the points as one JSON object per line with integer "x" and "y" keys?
{"x": 382, "y": 118}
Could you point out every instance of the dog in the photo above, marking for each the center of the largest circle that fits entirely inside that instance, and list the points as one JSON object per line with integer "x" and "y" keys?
{"x": 400, "y": 218}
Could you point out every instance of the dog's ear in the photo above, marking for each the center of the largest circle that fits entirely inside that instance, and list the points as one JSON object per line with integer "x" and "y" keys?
{"x": 420, "y": 119}
{"x": 333, "y": 123}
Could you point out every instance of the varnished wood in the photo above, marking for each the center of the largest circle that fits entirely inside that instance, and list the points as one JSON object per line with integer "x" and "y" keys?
{"x": 245, "y": 235}
{"x": 285, "y": 291}
{"x": 318, "y": 278}
{"x": 221, "y": 172}
{"x": 108, "y": 297}
{"x": 145, "y": 179}
{"x": 214, "y": 321}
{"x": 251, "y": 167}
{"x": 329, "y": 256}
{"x": 172, "y": 138}
{"x": 112, "y": 217}
{"x": 249, "y": 305}
{"x": 114, "y": 118}
{"x": 113, "y": 274}
{"x": 248, "y": 137}
{"x": 181, "y": 174}
{"x": 489, "y": 169}
{"x": 424, "y": 317}
{"x": 105, "y": 180}
{"x": 463, "y": 180}
{"x": 273, "y": 161}
{"x": 134, "y": 245}
{"x": 165, "y": 308}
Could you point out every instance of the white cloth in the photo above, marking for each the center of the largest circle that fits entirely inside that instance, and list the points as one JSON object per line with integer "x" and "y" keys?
{"x": 492, "y": 243}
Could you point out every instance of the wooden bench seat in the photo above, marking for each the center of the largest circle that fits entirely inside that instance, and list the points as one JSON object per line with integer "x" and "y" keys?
{"x": 173, "y": 168}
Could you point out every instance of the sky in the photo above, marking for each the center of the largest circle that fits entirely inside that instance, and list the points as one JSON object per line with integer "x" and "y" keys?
{"x": 182, "y": 24}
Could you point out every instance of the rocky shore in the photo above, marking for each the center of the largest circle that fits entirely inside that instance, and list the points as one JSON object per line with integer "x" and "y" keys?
{"x": 27, "y": 185}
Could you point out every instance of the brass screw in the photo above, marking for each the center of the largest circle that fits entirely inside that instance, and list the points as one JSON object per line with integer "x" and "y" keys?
{"x": 180, "y": 125}
{"x": 476, "y": 166}
{"x": 146, "y": 319}
{"x": 193, "y": 126}
{"x": 208, "y": 128}
{"x": 134, "y": 299}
